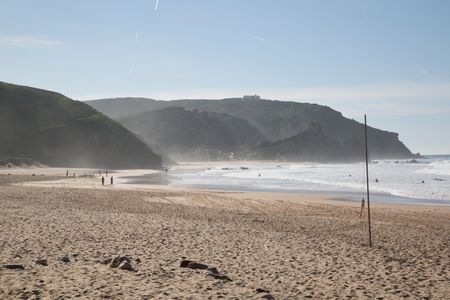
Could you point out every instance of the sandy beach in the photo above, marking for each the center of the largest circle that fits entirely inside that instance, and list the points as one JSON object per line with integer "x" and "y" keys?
{"x": 263, "y": 245}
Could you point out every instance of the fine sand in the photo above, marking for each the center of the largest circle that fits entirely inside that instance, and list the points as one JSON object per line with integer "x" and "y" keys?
{"x": 291, "y": 246}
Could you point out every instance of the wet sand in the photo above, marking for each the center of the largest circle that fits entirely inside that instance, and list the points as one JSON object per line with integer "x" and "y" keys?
{"x": 292, "y": 246}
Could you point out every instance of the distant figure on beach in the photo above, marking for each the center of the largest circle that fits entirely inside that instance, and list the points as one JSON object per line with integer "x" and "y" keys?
{"x": 106, "y": 173}
{"x": 349, "y": 175}
{"x": 111, "y": 180}
{"x": 259, "y": 175}
{"x": 67, "y": 173}
{"x": 376, "y": 180}
{"x": 103, "y": 180}
{"x": 423, "y": 181}
{"x": 362, "y": 206}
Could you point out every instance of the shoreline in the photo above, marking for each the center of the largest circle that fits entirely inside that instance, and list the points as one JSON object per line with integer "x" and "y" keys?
{"x": 151, "y": 179}
{"x": 353, "y": 196}
{"x": 53, "y": 181}
{"x": 122, "y": 177}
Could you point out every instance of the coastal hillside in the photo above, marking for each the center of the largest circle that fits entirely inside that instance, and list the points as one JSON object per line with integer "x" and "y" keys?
{"x": 57, "y": 131}
{"x": 275, "y": 120}
{"x": 311, "y": 145}
{"x": 191, "y": 134}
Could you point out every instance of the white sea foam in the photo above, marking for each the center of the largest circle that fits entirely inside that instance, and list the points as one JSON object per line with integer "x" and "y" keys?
{"x": 427, "y": 179}
{"x": 437, "y": 168}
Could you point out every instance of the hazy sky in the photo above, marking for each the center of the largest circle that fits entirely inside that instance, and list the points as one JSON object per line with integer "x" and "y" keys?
{"x": 389, "y": 59}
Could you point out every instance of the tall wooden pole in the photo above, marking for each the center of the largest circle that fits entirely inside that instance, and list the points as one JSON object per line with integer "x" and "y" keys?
{"x": 367, "y": 180}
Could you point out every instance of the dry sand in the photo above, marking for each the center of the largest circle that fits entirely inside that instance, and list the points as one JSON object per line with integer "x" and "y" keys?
{"x": 293, "y": 246}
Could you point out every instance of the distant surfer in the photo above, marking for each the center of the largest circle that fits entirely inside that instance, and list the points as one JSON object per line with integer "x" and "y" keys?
{"x": 111, "y": 180}
{"x": 103, "y": 180}
{"x": 376, "y": 180}
{"x": 106, "y": 173}
{"x": 67, "y": 173}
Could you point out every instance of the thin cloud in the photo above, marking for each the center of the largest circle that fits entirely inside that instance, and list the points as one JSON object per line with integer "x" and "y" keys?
{"x": 30, "y": 41}
{"x": 404, "y": 90}
{"x": 181, "y": 76}
{"x": 262, "y": 40}
{"x": 259, "y": 39}
{"x": 430, "y": 75}
{"x": 399, "y": 99}
{"x": 136, "y": 42}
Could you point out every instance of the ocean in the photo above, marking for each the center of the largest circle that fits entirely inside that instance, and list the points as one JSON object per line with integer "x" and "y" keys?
{"x": 420, "y": 181}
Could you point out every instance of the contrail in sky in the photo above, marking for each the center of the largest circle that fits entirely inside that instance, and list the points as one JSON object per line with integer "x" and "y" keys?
{"x": 136, "y": 41}
{"x": 156, "y": 5}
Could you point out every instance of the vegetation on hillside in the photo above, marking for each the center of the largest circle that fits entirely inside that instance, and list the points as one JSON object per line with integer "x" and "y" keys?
{"x": 58, "y": 131}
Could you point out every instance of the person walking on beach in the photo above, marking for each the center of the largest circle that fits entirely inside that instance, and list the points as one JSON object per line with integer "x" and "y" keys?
{"x": 103, "y": 180}
{"x": 67, "y": 173}
{"x": 112, "y": 180}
